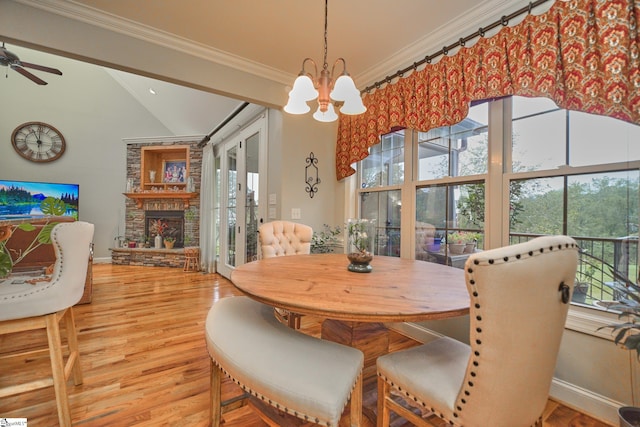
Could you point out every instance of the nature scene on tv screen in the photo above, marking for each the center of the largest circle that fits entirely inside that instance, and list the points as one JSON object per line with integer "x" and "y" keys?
{"x": 22, "y": 199}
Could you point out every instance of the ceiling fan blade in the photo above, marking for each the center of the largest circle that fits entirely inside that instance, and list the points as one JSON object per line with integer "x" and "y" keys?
{"x": 29, "y": 75}
{"x": 41, "y": 68}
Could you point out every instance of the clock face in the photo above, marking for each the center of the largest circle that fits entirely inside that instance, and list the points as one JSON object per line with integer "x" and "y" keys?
{"x": 38, "y": 142}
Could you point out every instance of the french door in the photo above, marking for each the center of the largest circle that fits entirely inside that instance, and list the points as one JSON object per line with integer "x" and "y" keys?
{"x": 242, "y": 160}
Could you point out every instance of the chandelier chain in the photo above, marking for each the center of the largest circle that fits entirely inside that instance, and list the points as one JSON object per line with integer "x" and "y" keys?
{"x": 326, "y": 8}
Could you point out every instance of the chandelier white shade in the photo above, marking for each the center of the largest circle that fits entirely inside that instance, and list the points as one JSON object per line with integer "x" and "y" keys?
{"x": 325, "y": 87}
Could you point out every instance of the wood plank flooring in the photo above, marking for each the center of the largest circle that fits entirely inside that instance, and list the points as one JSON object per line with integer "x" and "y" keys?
{"x": 144, "y": 358}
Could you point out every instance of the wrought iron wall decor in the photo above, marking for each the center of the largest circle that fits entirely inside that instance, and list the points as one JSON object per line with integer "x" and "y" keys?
{"x": 311, "y": 175}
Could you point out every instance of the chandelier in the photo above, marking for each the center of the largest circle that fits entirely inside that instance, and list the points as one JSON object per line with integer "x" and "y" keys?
{"x": 325, "y": 87}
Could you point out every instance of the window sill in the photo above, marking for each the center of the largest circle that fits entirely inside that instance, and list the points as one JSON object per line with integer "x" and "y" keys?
{"x": 587, "y": 320}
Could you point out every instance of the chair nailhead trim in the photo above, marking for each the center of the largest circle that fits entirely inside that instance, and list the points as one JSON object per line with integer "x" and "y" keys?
{"x": 276, "y": 404}
{"x": 472, "y": 373}
{"x": 420, "y": 402}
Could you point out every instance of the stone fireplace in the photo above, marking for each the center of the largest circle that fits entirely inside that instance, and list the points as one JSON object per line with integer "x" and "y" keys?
{"x": 148, "y": 201}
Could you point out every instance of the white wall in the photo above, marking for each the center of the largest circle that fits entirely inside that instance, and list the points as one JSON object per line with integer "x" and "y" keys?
{"x": 94, "y": 114}
{"x": 302, "y": 135}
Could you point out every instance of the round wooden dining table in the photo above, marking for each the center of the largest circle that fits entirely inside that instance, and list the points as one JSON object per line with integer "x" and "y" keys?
{"x": 397, "y": 290}
{"x": 355, "y": 305}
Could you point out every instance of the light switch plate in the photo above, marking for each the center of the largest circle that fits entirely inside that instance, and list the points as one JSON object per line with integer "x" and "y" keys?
{"x": 295, "y": 213}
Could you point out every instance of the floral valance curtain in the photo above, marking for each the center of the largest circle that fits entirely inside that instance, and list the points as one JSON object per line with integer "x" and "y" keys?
{"x": 583, "y": 54}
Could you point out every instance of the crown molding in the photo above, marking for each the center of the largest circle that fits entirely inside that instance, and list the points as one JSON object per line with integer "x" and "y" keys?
{"x": 483, "y": 14}
{"x": 88, "y": 15}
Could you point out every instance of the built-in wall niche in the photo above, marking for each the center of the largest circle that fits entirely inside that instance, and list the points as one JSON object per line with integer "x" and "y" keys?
{"x": 164, "y": 168}
{"x": 164, "y": 175}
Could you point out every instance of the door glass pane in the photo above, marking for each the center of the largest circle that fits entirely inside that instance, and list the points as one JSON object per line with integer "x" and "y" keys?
{"x": 251, "y": 207}
{"x": 216, "y": 205}
{"x": 231, "y": 209}
{"x": 383, "y": 207}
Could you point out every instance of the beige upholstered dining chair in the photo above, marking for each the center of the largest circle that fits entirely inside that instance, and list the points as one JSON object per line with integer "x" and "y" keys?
{"x": 278, "y": 238}
{"x": 43, "y": 305}
{"x": 520, "y": 296}
{"x": 279, "y": 367}
{"x": 282, "y": 238}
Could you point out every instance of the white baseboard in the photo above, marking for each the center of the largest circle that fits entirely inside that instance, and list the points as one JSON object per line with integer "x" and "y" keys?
{"x": 585, "y": 401}
{"x": 102, "y": 260}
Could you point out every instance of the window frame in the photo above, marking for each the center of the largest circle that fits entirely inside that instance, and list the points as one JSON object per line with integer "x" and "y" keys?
{"x": 497, "y": 181}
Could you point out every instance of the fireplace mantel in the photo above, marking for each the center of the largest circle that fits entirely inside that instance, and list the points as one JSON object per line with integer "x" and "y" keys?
{"x": 141, "y": 197}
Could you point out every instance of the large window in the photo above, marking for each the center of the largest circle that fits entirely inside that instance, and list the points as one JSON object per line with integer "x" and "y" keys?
{"x": 577, "y": 174}
{"x": 536, "y": 170}
{"x": 381, "y": 177}
{"x": 450, "y": 189}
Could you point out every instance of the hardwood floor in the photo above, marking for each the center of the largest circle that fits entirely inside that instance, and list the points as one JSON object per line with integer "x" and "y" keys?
{"x": 144, "y": 358}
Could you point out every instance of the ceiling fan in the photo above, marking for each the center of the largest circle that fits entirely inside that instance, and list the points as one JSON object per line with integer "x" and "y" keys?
{"x": 10, "y": 59}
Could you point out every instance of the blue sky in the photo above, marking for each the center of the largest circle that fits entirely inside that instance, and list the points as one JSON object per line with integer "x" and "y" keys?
{"x": 48, "y": 189}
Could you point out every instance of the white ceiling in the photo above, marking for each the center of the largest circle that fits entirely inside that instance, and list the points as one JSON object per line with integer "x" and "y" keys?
{"x": 376, "y": 38}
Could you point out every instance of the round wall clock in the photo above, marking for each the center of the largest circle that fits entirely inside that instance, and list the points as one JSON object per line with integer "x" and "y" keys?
{"x": 38, "y": 142}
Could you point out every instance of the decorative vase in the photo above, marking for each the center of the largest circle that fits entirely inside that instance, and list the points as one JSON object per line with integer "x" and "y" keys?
{"x": 168, "y": 244}
{"x": 360, "y": 233}
{"x": 360, "y": 262}
{"x": 456, "y": 248}
{"x": 157, "y": 242}
{"x": 152, "y": 176}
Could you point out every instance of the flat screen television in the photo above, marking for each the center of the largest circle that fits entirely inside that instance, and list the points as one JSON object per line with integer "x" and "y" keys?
{"x": 22, "y": 199}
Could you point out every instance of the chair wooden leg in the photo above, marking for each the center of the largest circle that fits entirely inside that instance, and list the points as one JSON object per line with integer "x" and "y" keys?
{"x": 216, "y": 391}
{"x": 57, "y": 368}
{"x": 356, "y": 403}
{"x": 74, "y": 350}
{"x": 384, "y": 392}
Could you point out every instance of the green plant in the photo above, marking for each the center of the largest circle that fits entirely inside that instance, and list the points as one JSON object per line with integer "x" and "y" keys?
{"x": 190, "y": 214}
{"x": 323, "y": 242}
{"x": 169, "y": 239}
{"x": 51, "y": 207}
{"x": 627, "y": 333}
{"x": 358, "y": 235}
{"x": 462, "y": 237}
